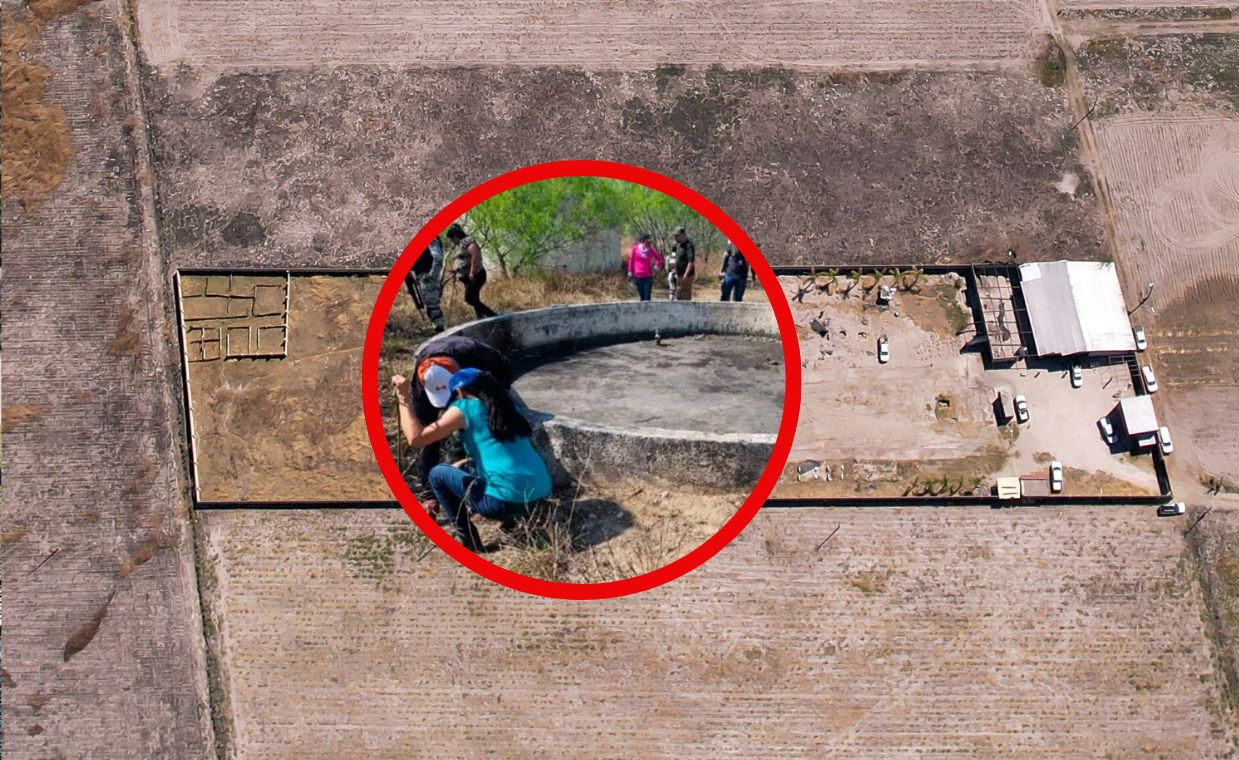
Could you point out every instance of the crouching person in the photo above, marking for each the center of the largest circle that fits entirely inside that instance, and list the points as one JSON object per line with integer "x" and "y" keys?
{"x": 508, "y": 475}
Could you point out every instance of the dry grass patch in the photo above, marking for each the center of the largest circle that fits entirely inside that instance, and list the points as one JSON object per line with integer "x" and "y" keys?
{"x": 15, "y": 415}
{"x": 35, "y": 147}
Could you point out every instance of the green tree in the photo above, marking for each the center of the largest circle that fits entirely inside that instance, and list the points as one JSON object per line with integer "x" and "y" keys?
{"x": 521, "y": 226}
{"x": 646, "y": 210}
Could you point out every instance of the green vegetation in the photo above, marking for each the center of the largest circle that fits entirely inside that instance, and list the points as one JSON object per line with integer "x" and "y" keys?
{"x": 524, "y": 225}
{"x": 958, "y": 317}
{"x": 1052, "y": 65}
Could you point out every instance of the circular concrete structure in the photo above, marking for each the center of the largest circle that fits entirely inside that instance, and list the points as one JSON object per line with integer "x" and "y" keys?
{"x": 700, "y": 405}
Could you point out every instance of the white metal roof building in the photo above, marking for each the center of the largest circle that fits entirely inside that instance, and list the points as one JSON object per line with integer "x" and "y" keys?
{"x": 1076, "y": 307}
{"x": 1139, "y": 417}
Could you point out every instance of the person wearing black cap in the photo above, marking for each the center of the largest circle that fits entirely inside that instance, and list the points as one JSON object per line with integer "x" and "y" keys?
{"x": 508, "y": 475}
{"x": 469, "y": 269}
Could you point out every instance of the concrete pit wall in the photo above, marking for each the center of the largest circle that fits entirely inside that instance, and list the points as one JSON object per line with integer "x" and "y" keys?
{"x": 580, "y": 448}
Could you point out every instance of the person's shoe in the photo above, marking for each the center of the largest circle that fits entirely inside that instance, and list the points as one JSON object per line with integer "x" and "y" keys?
{"x": 471, "y": 540}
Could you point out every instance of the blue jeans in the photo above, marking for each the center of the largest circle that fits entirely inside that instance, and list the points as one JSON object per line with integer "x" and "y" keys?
{"x": 644, "y": 286}
{"x": 734, "y": 286}
{"x": 459, "y": 491}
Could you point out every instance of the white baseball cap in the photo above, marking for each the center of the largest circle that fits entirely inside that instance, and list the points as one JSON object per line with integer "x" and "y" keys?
{"x": 435, "y": 382}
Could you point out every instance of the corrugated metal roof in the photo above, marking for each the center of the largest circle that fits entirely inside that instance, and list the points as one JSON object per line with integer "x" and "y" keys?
{"x": 1076, "y": 307}
{"x": 1139, "y": 417}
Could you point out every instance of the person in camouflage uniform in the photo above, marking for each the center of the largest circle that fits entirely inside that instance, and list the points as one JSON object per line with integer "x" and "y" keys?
{"x": 425, "y": 282}
{"x": 682, "y": 266}
{"x": 469, "y": 268}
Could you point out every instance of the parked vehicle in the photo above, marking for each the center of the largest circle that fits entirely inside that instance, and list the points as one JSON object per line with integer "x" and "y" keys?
{"x": 1171, "y": 509}
{"x": 1056, "y": 476}
{"x": 1021, "y": 408}
{"x": 1107, "y": 431}
{"x": 1163, "y": 437}
{"x": 1141, "y": 341}
{"x": 1146, "y": 441}
{"x": 1077, "y": 376}
{"x": 1150, "y": 380}
{"x": 884, "y": 350}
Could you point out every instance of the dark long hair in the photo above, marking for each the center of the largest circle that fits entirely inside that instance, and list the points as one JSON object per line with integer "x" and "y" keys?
{"x": 505, "y": 421}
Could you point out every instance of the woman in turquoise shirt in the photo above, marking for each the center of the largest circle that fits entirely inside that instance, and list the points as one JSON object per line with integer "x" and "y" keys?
{"x": 509, "y": 473}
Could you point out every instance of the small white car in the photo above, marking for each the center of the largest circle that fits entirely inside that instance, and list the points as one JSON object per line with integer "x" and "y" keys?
{"x": 1146, "y": 441}
{"x": 1107, "y": 431}
{"x": 1021, "y": 408}
{"x": 1056, "y": 476}
{"x": 1150, "y": 380}
{"x": 1077, "y": 376}
{"x": 1163, "y": 437}
{"x": 1142, "y": 342}
{"x": 1171, "y": 509}
{"x": 884, "y": 350}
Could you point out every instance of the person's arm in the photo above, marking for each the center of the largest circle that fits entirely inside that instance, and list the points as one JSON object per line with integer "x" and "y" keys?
{"x": 691, "y": 252}
{"x": 659, "y": 262}
{"x": 436, "y": 257}
{"x": 632, "y": 254}
{"x": 414, "y": 432}
{"x": 475, "y": 260}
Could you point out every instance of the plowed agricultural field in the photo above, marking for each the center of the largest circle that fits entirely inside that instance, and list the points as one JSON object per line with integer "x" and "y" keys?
{"x": 952, "y": 633}
{"x": 603, "y": 35}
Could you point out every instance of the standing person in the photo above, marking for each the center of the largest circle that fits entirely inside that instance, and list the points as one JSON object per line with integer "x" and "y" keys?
{"x": 508, "y": 473}
{"x": 469, "y": 269}
{"x": 433, "y": 368}
{"x": 643, "y": 261}
{"x": 425, "y": 282}
{"x": 683, "y": 267}
{"x": 735, "y": 274}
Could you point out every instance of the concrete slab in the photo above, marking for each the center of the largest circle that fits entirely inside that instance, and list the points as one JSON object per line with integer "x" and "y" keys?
{"x": 706, "y": 383}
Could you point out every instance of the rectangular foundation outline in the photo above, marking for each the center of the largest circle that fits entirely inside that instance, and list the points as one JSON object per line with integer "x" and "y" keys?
{"x": 1163, "y": 478}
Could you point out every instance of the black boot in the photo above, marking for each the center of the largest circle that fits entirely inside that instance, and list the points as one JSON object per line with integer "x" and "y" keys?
{"x": 471, "y": 539}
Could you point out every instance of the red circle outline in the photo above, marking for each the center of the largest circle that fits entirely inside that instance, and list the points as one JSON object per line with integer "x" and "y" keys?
{"x": 393, "y": 285}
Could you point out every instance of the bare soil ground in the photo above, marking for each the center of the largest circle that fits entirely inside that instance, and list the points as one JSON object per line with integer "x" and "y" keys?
{"x": 951, "y": 632}
{"x": 103, "y": 641}
{"x": 340, "y": 166}
{"x": 291, "y": 429}
{"x": 1170, "y": 151}
{"x": 1215, "y": 543}
{"x": 917, "y": 632}
{"x": 928, "y": 414}
{"x": 605, "y": 531}
{"x": 632, "y": 35}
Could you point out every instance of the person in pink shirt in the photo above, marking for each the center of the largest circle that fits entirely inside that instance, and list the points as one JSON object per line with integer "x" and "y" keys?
{"x": 644, "y": 261}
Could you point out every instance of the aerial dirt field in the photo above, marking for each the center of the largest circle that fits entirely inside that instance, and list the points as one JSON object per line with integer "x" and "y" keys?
{"x": 632, "y": 35}
{"x": 1170, "y": 151}
{"x": 340, "y": 166}
{"x": 286, "y": 429}
{"x": 103, "y": 648}
{"x": 928, "y": 414}
{"x": 205, "y": 134}
{"x": 908, "y": 632}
